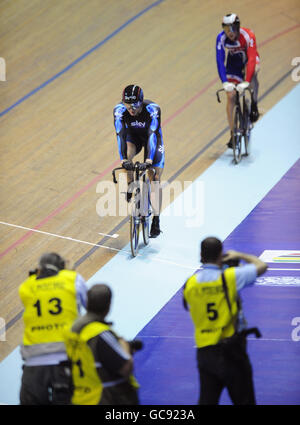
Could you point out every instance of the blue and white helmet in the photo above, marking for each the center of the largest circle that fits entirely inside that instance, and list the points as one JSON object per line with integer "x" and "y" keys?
{"x": 232, "y": 20}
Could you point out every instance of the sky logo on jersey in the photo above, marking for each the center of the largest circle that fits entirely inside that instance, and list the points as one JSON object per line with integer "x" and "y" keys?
{"x": 138, "y": 124}
{"x": 281, "y": 256}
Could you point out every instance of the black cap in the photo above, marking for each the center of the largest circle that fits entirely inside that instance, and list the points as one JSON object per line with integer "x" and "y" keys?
{"x": 99, "y": 298}
{"x": 52, "y": 261}
{"x": 211, "y": 249}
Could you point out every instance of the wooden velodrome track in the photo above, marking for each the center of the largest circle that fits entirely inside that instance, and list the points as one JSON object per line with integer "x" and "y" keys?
{"x": 57, "y": 134}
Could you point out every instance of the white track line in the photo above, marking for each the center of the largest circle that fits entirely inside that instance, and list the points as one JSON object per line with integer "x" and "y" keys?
{"x": 114, "y": 236}
{"x": 95, "y": 244}
{"x": 292, "y": 270}
{"x": 59, "y": 236}
{"x": 162, "y": 260}
{"x": 191, "y": 337}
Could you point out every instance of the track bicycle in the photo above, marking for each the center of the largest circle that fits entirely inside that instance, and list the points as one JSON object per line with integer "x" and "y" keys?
{"x": 141, "y": 209}
{"x": 242, "y": 124}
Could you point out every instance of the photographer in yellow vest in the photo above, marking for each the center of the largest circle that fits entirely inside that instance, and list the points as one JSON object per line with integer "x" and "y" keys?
{"x": 102, "y": 362}
{"x": 52, "y": 297}
{"x": 212, "y": 297}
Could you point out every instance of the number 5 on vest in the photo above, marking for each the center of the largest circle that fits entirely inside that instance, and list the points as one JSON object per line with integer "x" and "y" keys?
{"x": 211, "y": 312}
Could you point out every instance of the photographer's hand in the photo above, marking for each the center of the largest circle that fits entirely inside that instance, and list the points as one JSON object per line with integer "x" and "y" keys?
{"x": 231, "y": 255}
{"x": 127, "y": 367}
{"x": 125, "y": 345}
{"x": 261, "y": 266}
{"x": 34, "y": 272}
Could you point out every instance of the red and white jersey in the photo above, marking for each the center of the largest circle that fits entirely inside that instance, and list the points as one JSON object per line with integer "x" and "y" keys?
{"x": 241, "y": 52}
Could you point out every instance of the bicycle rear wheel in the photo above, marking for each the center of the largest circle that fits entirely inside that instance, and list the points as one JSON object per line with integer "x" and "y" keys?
{"x": 146, "y": 211}
{"x": 134, "y": 235}
{"x": 237, "y": 134}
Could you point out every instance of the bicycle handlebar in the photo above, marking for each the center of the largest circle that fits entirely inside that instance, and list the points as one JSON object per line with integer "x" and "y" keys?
{"x": 247, "y": 89}
{"x": 217, "y": 93}
{"x": 135, "y": 167}
{"x": 114, "y": 174}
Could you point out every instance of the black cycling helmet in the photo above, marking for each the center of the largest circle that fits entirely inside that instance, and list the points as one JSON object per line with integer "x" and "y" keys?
{"x": 231, "y": 20}
{"x": 133, "y": 95}
{"x": 52, "y": 261}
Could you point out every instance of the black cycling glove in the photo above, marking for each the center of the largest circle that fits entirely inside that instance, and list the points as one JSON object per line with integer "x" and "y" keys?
{"x": 128, "y": 165}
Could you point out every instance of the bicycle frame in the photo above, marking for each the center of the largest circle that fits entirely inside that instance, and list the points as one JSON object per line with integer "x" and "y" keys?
{"x": 241, "y": 120}
{"x": 138, "y": 175}
{"x": 141, "y": 206}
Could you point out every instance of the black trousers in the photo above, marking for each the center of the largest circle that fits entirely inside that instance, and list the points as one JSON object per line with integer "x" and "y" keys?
{"x": 225, "y": 365}
{"x": 46, "y": 385}
{"x": 121, "y": 394}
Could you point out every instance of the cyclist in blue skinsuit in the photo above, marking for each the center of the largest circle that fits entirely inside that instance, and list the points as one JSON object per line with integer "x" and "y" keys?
{"x": 138, "y": 125}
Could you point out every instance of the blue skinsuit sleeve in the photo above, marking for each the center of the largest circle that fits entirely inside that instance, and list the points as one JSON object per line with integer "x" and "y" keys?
{"x": 153, "y": 129}
{"x": 120, "y": 131}
{"x": 220, "y": 57}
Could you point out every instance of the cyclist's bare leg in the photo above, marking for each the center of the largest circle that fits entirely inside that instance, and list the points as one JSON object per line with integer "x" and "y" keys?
{"x": 156, "y": 199}
{"x": 254, "y": 84}
{"x": 156, "y": 191}
{"x": 131, "y": 152}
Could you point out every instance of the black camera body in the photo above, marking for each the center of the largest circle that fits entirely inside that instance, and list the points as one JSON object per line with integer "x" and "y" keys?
{"x": 32, "y": 272}
{"x": 231, "y": 263}
{"x": 135, "y": 345}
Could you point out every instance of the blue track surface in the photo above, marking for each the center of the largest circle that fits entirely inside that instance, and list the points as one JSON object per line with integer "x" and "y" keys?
{"x": 167, "y": 367}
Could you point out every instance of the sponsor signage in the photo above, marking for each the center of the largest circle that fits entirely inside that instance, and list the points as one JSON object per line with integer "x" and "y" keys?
{"x": 281, "y": 256}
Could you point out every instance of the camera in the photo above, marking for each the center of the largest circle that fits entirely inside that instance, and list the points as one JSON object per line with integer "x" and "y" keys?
{"x": 135, "y": 345}
{"x": 231, "y": 263}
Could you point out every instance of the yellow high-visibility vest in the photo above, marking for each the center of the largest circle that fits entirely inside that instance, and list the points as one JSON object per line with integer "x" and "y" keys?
{"x": 86, "y": 381}
{"x": 87, "y": 385}
{"x": 49, "y": 307}
{"x": 209, "y": 309}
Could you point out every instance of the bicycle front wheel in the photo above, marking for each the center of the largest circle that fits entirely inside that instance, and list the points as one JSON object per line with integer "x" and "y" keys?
{"x": 146, "y": 211}
{"x": 237, "y": 134}
{"x": 247, "y": 126}
{"x": 134, "y": 234}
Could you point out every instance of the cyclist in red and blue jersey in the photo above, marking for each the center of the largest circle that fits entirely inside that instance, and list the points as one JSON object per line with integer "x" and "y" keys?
{"x": 138, "y": 125}
{"x": 242, "y": 64}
